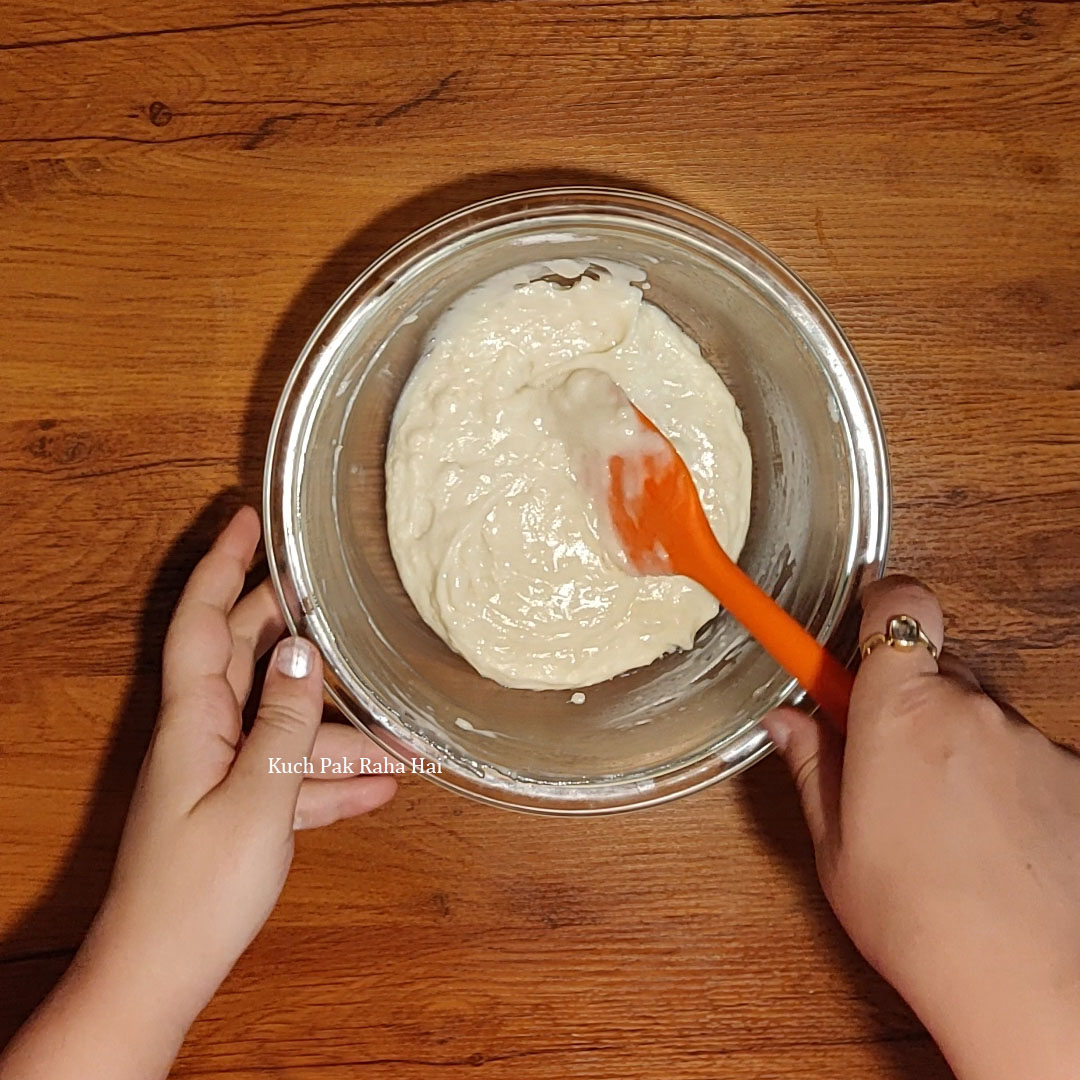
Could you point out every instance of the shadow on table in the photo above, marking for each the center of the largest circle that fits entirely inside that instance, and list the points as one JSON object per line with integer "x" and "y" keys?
{"x": 348, "y": 261}
{"x": 769, "y": 796}
{"x": 31, "y": 961}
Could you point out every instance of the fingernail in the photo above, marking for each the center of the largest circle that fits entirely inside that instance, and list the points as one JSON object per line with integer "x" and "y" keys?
{"x": 295, "y": 657}
{"x": 779, "y": 732}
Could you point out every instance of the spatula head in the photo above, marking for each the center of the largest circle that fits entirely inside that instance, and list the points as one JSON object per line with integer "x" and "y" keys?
{"x": 655, "y": 509}
{"x": 655, "y": 516}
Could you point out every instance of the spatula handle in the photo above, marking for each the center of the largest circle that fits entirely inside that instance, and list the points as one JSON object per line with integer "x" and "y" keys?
{"x": 820, "y": 674}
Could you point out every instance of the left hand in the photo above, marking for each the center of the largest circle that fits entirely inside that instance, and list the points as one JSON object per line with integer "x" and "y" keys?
{"x": 209, "y": 838}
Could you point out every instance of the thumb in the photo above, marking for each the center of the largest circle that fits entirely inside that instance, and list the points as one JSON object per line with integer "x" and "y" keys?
{"x": 286, "y": 724}
{"x": 814, "y": 755}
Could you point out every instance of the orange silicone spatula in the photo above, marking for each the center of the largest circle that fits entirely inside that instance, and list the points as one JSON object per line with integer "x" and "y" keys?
{"x": 662, "y": 527}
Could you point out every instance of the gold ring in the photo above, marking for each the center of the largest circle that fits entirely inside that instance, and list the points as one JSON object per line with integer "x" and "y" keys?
{"x": 902, "y": 632}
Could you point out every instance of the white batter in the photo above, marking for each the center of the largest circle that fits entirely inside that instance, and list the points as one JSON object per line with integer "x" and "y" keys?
{"x": 495, "y": 532}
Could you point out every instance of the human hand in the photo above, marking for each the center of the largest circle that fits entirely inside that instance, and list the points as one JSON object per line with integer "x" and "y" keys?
{"x": 209, "y": 836}
{"x": 947, "y": 837}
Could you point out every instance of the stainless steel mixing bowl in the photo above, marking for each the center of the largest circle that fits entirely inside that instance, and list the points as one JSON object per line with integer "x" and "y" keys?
{"x": 819, "y": 520}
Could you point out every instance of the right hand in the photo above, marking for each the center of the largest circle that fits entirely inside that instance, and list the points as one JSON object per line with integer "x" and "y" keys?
{"x": 947, "y": 836}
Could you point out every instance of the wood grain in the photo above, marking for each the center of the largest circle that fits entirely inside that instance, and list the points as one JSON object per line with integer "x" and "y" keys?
{"x": 184, "y": 191}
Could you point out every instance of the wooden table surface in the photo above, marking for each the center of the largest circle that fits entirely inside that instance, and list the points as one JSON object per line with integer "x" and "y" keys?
{"x": 183, "y": 191}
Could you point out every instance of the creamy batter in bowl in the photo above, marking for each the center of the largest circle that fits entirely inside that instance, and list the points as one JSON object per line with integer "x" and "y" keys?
{"x": 490, "y": 509}
{"x": 818, "y": 523}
